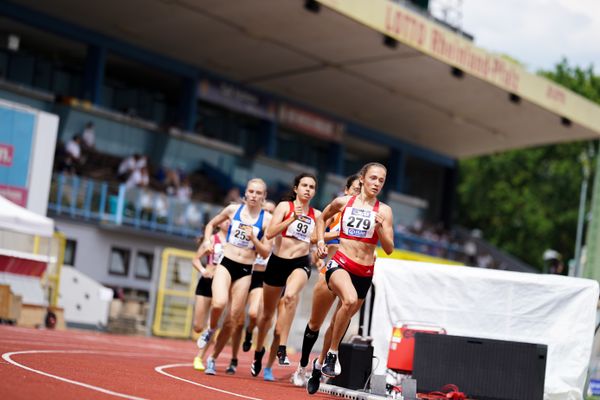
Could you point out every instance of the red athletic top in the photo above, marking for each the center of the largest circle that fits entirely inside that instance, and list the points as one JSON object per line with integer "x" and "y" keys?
{"x": 302, "y": 227}
{"x": 359, "y": 223}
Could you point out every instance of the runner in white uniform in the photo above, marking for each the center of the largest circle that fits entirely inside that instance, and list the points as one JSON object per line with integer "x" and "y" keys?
{"x": 245, "y": 239}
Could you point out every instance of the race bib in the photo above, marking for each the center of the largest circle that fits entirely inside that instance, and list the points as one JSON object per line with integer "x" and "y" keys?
{"x": 239, "y": 237}
{"x": 359, "y": 223}
{"x": 301, "y": 228}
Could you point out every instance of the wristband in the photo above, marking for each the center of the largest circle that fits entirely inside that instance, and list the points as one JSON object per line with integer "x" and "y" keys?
{"x": 320, "y": 241}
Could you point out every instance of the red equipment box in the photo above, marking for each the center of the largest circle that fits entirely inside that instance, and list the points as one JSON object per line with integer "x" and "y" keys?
{"x": 402, "y": 344}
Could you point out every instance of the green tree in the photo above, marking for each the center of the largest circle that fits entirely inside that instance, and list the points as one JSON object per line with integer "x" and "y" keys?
{"x": 526, "y": 201}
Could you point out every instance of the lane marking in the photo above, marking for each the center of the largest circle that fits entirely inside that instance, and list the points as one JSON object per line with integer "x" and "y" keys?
{"x": 160, "y": 369}
{"x": 7, "y": 357}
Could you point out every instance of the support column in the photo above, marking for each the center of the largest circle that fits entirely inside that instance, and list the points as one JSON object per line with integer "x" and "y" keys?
{"x": 449, "y": 194}
{"x": 188, "y": 104}
{"x": 270, "y": 139}
{"x": 397, "y": 170}
{"x": 337, "y": 151}
{"x": 93, "y": 79}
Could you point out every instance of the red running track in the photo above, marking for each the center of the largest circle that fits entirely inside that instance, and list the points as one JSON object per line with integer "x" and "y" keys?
{"x": 44, "y": 364}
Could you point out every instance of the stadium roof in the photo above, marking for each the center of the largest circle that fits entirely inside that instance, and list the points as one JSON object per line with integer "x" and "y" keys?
{"x": 335, "y": 60}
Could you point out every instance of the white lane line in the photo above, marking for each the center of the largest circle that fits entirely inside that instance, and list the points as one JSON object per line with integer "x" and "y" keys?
{"x": 163, "y": 349}
{"x": 7, "y": 357}
{"x": 160, "y": 369}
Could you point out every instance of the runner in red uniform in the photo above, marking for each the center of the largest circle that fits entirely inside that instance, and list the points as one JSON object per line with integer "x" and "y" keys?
{"x": 365, "y": 222}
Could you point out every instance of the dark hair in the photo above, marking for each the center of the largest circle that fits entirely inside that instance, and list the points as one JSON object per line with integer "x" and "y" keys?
{"x": 291, "y": 196}
{"x": 365, "y": 168}
{"x": 351, "y": 180}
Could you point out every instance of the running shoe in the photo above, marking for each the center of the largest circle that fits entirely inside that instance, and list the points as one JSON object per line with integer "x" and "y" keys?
{"x": 282, "y": 356}
{"x": 211, "y": 367}
{"x": 205, "y": 337}
{"x": 268, "y": 375}
{"x": 331, "y": 366}
{"x": 257, "y": 363}
{"x": 299, "y": 377}
{"x": 232, "y": 366}
{"x": 198, "y": 366}
{"x": 312, "y": 386}
{"x": 247, "y": 342}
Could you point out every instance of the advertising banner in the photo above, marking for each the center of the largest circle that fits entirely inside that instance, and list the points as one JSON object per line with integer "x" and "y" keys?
{"x": 16, "y": 136}
{"x": 236, "y": 98}
{"x": 431, "y": 38}
{"x": 310, "y": 123}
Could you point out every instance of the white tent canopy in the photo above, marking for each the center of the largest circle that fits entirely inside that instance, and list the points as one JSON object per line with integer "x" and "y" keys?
{"x": 19, "y": 219}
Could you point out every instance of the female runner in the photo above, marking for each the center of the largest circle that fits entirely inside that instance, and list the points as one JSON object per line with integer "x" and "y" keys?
{"x": 254, "y": 305}
{"x": 322, "y": 298}
{"x": 203, "y": 289}
{"x": 232, "y": 276}
{"x": 365, "y": 222}
{"x": 292, "y": 226}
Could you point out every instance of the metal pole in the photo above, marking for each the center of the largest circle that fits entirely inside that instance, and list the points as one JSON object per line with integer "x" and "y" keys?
{"x": 580, "y": 219}
{"x": 584, "y": 158}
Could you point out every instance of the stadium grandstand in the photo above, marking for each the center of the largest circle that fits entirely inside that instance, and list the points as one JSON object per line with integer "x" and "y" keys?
{"x": 200, "y": 96}
{"x": 217, "y": 93}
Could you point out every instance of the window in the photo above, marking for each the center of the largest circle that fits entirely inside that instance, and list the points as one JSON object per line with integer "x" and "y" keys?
{"x": 143, "y": 265}
{"x": 70, "y": 250}
{"x": 119, "y": 261}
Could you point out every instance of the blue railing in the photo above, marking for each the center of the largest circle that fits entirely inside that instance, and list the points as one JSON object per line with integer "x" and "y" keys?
{"x": 141, "y": 208}
{"x": 109, "y": 203}
{"x": 417, "y": 244}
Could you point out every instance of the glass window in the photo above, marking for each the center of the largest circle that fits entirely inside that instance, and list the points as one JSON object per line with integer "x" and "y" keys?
{"x": 70, "y": 250}
{"x": 143, "y": 265}
{"x": 119, "y": 261}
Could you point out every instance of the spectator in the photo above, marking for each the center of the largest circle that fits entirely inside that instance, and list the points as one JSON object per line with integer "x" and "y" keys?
{"x": 485, "y": 260}
{"x": 89, "y": 136}
{"x": 138, "y": 178}
{"x": 172, "y": 182}
{"x": 161, "y": 208}
{"x": 127, "y": 166}
{"x": 73, "y": 157}
{"x": 470, "y": 249}
{"x": 141, "y": 162}
{"x": 184, "y": 191}
{"x": 233, "y": 196}
{"x": 553, "y": 262}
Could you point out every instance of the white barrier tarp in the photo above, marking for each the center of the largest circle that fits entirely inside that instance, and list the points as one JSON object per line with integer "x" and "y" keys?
{"x": 554, "y": 310}
{"x": 18, "y": 219}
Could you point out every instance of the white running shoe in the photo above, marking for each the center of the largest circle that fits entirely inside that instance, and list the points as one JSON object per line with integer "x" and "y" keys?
{"x": 299, "y": 377}
{"x": 204, "y": 338}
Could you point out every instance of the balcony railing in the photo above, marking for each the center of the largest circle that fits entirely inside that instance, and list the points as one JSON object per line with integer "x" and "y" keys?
{"x": 109, "y": 203}
{"x": 100, "y": 201}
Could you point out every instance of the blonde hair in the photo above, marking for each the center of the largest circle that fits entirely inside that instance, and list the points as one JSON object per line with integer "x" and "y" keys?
{"x": 259, "y": 181}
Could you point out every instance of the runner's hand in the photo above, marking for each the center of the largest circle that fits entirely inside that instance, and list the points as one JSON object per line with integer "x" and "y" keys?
{"x": 249, "y": 232}
{"x": 379, "y": 221}
{"x": 298, "y": 210}
{"x": 321, "y": 249}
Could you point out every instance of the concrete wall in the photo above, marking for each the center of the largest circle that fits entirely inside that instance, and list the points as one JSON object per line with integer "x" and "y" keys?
{"x": 94, "y": 244}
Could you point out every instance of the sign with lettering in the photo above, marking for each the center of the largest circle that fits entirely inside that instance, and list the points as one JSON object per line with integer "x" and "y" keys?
{"x": 6, "y": 154}
{"x": 16, "y": 139}
{"x": 311, "y": 123}
{"x": 435, "y": 40}
{"x": 236, "y": 98}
